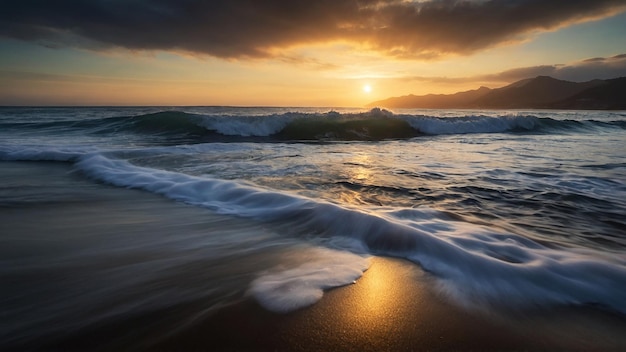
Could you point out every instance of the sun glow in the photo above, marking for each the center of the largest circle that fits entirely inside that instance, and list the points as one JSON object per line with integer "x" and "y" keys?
{"x": 367, "y": 88}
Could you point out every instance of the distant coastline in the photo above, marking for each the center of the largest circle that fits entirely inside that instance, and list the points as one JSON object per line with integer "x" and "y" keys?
{"x": 541, "y": 92}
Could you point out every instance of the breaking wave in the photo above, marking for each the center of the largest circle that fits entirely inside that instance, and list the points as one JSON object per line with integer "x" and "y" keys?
{"x": 373, "y": 125}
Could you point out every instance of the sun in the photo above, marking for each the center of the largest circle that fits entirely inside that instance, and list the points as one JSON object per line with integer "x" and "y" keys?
{"x": 367, "y": 88}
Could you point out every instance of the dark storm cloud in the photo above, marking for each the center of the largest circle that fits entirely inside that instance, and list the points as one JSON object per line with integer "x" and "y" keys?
{"x": 252, "y": 28}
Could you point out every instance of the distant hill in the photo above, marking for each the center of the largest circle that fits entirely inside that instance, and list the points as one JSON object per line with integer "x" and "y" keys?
{"x": 541, "y": 92}
{"x": 609, "y": 96}
{"x": 434, "y": 101}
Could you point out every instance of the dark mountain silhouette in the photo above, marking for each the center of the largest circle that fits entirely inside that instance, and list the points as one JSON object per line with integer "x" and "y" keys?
{"x": 434, "y": 101}
{"x": 608, "y": 96}
{"x": 541, "y": 92}
{"x": 536, "y": 92}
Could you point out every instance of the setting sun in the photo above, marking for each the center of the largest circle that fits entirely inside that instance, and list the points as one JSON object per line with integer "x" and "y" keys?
{"x": 309, "y": 54}
{"x": 313, "y": 175}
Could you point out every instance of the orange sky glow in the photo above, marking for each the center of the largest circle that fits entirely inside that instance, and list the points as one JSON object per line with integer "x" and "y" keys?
{"x": 322, "y": 54}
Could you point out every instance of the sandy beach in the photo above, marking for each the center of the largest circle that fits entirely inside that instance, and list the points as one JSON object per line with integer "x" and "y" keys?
{"x": 392, "y": 307}
{"x": 280, "y": 175}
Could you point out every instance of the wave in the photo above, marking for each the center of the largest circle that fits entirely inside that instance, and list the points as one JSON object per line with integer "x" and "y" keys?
{"x": 165, "y": 122}
{"x": 380, "y": 124}
{"x": 362, "y": 128}
{"x": 376, "y": 124}
{"x": 38, "y": 153}
{"x": 475, "y": 265}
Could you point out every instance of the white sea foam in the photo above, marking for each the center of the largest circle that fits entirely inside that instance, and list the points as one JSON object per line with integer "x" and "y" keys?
{"x": 470, "y": 124}
{"x": 480, "y": 267}
{"x": 43, "y": 153}
{"x": 247, "y": 126}
{"x": 290, "y": 289}
{"x": 476, "y": 265}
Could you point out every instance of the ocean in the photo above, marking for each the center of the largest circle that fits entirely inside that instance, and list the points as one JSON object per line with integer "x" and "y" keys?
{"x": 115, "y": 213}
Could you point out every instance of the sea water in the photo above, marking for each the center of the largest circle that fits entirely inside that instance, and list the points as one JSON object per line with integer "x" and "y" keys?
{"x": 504, "y": 209}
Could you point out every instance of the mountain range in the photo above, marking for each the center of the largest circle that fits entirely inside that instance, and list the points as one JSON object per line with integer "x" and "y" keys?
{"x": 541, "y": 92}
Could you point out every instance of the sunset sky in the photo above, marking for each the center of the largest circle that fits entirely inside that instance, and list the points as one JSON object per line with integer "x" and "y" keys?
{"x": 329, "y": 53}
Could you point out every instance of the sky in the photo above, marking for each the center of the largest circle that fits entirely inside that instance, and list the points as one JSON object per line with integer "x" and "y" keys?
{"x": 327, "y": 53}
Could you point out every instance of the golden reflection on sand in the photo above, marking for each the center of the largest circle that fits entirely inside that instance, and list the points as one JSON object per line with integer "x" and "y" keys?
{"x": 378, "y": 300}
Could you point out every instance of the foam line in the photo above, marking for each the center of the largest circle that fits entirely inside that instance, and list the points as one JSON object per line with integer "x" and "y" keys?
{"x": 476, "y": 265}
{"x": 286, "y": 290}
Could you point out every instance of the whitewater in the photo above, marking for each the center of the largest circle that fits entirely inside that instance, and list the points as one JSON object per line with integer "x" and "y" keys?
{"x": 506, "y": 210}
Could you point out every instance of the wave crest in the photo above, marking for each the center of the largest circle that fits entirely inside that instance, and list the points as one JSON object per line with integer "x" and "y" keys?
{"x": 472, "y": 124}
{"x": 373, "y": 125}
{"x": 165, "y": 122}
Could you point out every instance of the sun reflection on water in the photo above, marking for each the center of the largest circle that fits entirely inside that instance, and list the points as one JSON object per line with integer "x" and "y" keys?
{"x": 359, "y": 168}
{"x": 358, "y": 173}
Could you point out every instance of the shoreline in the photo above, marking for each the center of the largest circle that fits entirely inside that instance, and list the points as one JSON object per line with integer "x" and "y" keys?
{"x": 393, "y": 306}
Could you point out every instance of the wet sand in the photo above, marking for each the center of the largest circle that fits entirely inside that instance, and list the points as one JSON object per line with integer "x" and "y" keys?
{"x": 393, "y": 307}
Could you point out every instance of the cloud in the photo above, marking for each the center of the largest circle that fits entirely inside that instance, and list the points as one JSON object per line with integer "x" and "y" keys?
{"x": 581, "y": 71}
{"x": 585, "y": 70}
{"x": 601, "y": 68}
{"x": 256, "y": 29}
